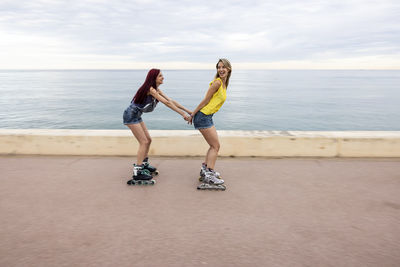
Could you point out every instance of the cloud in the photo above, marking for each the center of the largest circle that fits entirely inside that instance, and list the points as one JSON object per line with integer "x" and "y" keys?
{"x": 121, "y": 34}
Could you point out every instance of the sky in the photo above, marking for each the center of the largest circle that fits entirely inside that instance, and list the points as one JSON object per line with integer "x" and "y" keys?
{"x": 180, "y": 34}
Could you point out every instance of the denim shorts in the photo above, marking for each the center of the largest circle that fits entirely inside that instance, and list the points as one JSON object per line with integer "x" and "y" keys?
{"x": 132, "y": 115}
{"x": 202, "y": 121}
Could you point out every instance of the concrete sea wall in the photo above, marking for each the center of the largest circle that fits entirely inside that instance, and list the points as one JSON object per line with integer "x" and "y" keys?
{"x": 191, "y": 143}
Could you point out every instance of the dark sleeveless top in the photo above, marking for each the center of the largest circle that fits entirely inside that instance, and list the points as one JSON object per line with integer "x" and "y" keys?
{"x": 148, "y": 105}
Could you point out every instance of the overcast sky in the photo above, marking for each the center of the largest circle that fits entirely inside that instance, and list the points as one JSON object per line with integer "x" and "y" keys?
{"x": 279, "y": 34}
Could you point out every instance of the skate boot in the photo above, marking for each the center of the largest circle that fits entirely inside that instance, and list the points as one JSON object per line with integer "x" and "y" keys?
{"x": 141, "y": 176}
{"x": 147, "y": 166}
{"x": 203, "y": 172}
{"x": 210, "y": 181}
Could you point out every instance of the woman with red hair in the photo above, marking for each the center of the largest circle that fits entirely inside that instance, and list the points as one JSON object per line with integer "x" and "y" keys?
{"x": 145, "y": 100}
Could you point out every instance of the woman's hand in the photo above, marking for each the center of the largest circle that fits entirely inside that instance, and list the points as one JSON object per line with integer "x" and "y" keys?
{"x": 186, "y": 117}
{"x": 191, "y": 118}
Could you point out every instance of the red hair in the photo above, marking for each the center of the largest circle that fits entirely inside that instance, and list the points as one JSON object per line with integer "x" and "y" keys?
{"x": 143, "y": 91}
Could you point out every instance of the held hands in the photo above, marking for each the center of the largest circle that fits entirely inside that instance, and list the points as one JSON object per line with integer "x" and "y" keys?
{"x": 191, "y": 114}
{"x": 188, "y": 118}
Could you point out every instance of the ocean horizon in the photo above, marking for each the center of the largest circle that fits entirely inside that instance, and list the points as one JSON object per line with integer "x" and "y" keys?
{"x": 309, "y": 100}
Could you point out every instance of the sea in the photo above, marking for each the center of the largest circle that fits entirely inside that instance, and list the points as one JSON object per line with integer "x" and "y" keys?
{"x": 281, "y": 100}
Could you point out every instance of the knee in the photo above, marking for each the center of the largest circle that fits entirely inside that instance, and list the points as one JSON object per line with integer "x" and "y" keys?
{"x": 145, "y": 142}
{"x": 216, "y": 147}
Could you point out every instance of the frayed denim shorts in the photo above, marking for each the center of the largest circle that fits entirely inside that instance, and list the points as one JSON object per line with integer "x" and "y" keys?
{"x": 132, "y": 115}
{"x": 202, "y": 121}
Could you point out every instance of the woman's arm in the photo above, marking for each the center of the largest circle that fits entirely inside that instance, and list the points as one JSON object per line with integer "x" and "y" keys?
{"x": 211, "y": 91}
{"x": 168, "y": 102}
{"x": 173, "y": 101}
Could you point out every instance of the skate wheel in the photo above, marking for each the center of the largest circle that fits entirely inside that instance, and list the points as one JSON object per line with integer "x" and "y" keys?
{"x": 205, "y": 186}
{"x": 155, "y": 173}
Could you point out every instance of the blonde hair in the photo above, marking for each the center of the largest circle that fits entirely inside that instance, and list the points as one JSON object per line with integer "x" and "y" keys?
{"x": 227, "y": 65}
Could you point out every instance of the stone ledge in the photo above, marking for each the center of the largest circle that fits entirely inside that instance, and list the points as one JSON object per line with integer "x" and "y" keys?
{"x": 191, "y": 143}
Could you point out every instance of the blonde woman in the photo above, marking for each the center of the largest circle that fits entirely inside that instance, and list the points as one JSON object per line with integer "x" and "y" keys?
{"x": 202, "y": 120}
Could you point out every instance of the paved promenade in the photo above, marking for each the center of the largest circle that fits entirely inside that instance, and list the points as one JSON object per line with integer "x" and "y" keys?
{"x": 78, "y": 211}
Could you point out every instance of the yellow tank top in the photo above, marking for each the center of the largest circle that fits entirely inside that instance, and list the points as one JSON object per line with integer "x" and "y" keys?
{"x": 216, "y": 101}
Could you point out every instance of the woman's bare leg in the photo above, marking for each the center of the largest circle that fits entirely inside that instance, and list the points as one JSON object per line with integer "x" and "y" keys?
{"x": 146, "y": 132}
{"x": 144, "y": 143}
{"x": 211, "y": 136}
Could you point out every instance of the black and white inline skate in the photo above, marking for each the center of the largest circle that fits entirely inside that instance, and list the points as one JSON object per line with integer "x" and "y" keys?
{"x": 141, "y": 176}
{"x": 203, "y": 172}
{"x": 211, "y": 182}
{"x": 153, "y": 170}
